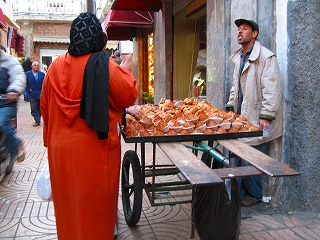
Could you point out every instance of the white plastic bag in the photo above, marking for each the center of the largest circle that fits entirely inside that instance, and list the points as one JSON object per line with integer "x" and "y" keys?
{"x": 44, "y": 184}
{"x": 202, "y": 59}
{"x": 267, "y": 129}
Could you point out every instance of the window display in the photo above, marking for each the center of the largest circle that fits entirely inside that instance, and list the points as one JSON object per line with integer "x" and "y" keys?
{"x": 199, "y": 78}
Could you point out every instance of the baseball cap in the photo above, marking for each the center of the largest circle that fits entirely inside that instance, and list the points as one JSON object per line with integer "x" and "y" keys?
{"x": 254, "y": 25}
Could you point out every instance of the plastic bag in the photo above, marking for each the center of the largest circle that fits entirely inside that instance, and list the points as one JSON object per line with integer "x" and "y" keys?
{"x": 267, "y": 129}
{"x": 215, "y": 214}
{"x": 202, "y": 59}
{"x": 44, "y": 184}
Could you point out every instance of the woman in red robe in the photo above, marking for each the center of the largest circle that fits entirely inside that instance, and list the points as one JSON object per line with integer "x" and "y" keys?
{"x": 82, "y": 100}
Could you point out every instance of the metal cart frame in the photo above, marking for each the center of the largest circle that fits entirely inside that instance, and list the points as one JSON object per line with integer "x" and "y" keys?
{"x": 132, "y": 192}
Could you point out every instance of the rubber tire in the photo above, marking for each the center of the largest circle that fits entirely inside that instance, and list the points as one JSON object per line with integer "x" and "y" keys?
{"x": 132, "y": 209}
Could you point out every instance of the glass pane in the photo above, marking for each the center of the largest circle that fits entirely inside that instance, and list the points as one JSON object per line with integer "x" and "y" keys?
{"x": 46, "y": 61}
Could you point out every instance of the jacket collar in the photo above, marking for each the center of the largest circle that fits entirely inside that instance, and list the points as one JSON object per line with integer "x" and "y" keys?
{"x": 253, "y": 56}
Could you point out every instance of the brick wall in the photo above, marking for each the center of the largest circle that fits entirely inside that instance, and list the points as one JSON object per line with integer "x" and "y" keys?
{"x": 51, "y": 29}
{"x": 35, "y": 56}
{"x": 47, "y": 29}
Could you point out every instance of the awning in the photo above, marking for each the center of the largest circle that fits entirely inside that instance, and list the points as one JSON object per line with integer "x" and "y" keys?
{"x": 15, "y": 40}
{"x": 11, "y": 37}
{"x": 19, "y": 43}
{"x": 52, "y": 39}
{"x": 123, "y": 25}
{"x": 3, "y": 23}
{"x": 112, "y": 44}
{"x": 137, "y": 5}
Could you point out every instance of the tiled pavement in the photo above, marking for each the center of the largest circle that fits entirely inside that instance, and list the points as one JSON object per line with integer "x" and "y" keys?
{"x": 24, "y": 216}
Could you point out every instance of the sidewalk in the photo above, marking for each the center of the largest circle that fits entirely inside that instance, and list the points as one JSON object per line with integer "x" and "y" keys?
{"x": 24, "y": 216}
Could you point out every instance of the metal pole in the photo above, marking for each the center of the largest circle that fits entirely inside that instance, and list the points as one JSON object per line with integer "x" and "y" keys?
{"x": 90, "y": 6}
{"x": 216, "y": 155}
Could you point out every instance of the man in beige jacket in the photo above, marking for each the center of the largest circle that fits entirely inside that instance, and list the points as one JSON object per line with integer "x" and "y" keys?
{"x": 256, "y": 93}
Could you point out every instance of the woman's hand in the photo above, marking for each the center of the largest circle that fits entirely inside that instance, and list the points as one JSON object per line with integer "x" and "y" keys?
{"x": 136, "y": 111}
{"x": 127, "y": 62}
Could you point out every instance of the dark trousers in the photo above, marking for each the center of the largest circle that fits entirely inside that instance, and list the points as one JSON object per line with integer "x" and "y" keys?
{"x": 251, "y": 186}
{"x": 35, "y": 109}
{"x": 11, "y": 141}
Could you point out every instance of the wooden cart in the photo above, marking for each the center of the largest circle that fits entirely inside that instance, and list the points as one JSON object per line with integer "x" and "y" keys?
{"x": 191, "y": 172}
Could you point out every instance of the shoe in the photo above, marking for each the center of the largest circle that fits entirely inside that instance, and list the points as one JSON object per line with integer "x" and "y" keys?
{"x": 249, "y": 202}
{"x": 10, "y": 164}
{"x": 36, "y": 124}
{"x": 21, "y": 153}
{"x": 4, "y": 167}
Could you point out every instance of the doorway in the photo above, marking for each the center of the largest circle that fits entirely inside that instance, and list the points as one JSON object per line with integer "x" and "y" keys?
{"x": 47, "y": 56}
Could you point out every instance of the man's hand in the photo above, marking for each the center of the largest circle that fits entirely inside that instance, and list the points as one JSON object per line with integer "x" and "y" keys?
{"x": 263, "y": 122}
{"x": 12, "y": 96}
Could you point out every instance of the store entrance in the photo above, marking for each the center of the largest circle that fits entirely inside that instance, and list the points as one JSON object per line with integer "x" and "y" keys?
{"x": 199, "y": 81}
{"x": 47, "y": 56}
{"x": 189, "y": 55}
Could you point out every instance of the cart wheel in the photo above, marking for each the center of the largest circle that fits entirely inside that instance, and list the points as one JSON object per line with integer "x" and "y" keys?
{"x": 131, "y": 186}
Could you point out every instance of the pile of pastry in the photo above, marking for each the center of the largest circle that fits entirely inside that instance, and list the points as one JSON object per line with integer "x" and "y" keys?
{"x": 188, "y": 116}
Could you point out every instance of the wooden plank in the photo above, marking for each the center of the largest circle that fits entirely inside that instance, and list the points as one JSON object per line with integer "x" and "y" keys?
{"x": 195, "y": 171}
{"x": 161, "y": 172}
{"x": 258, "y": 159}
{"x": 237, "y": 172}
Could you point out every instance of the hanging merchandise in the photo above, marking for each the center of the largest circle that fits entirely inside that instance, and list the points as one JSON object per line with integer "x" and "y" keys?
{"x": 202, "y": 59}
{"x": 150, "y": 65}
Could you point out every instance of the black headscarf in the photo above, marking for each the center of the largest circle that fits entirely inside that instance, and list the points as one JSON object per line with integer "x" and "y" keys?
{"x": 87, "y": 36}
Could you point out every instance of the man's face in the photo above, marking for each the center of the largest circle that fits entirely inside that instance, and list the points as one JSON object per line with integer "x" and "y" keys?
{"x": 35, "y": 67}
{"x": 245, "y": 34}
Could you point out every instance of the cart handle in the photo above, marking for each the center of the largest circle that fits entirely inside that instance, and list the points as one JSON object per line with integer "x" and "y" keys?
{"x": 205, "y": 148}
{"x": 193, "y": 147}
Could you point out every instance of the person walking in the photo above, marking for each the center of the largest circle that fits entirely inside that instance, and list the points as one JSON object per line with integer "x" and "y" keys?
{"x": 12, "y": 85}
{"x": 82, "y": 100}
{"x": 256, "y": 93}
{"x": 34, "y": 86}
{"x": 26, "y": 65}
{"x": 117, "y": 56}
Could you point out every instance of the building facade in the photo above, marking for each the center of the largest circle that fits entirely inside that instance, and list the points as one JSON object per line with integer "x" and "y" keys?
{"x": 288, "y": 28}
{"x": 45, "y": 25}
{"x": 11, "y": 39}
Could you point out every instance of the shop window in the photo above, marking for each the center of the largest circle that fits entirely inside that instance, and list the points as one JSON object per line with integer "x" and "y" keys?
{"x": 148, "y": 93}
{"x": 199, "y": 78}
{"x": 150, "y": 64}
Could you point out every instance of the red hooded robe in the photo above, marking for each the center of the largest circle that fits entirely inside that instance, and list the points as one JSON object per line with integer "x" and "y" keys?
{"x": 84, "y": 170}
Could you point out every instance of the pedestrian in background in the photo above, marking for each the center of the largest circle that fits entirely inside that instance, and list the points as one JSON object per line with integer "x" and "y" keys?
{"x": 83, "y": 97}
{"x": 12, "y": 84}
{"x": 196, "y": 89}
{"x": 117, "y": 57}
{"x": 26, "y": 65}
{"x": 256, "y": 93}
{"x": 34, "y": 86}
